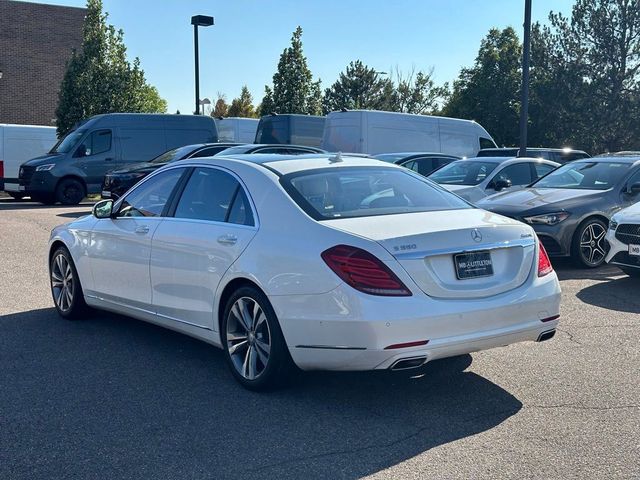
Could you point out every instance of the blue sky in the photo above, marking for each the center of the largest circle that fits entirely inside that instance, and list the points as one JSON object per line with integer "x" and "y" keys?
{"x": 245, "y": 44}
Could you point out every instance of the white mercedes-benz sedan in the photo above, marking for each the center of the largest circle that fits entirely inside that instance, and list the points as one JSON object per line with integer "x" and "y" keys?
{"x": 318, "y": 261}
{"x": 623, "y": 237}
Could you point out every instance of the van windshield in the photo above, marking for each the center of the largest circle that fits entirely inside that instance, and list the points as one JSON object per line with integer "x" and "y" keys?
{"x": 66, "y": 143}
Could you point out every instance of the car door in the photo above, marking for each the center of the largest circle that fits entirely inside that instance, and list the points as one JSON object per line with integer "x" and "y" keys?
{"x": 95, "y": 156}
{"x": 211, "y": 225}
{"x": 120, "y": 247}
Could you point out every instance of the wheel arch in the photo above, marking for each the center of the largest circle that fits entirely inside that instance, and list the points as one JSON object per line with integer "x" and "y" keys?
{"x": 228, "y": 290}
{"x": 592, "y": 216}
{"x": 54, "y": 246}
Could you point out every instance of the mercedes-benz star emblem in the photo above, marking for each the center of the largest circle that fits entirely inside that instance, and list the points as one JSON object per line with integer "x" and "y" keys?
{"x": 476, "y": 235}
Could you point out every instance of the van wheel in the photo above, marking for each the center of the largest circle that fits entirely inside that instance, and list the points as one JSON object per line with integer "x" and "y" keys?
{"x": 70, "y": 192}
{"x": 254, "y": 346}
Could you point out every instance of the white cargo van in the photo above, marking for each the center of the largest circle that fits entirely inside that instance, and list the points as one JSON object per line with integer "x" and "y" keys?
{"x": 374, "y": 132}
{"x": 19, "y": 143}
{"x": 236, "y": 129}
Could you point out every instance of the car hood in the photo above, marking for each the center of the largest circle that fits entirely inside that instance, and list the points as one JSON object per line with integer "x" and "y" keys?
{"x": 142, "y": 167}
{"x": 538, "y": 198}
{"x": 43, "y": 159}
{"x": 630, "y": 213}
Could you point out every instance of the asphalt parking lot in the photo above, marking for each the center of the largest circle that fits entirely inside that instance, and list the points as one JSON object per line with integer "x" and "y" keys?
{"x": 111, "y": 397}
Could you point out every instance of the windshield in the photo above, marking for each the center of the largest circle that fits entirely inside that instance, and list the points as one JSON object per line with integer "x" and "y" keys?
{"x": 66, "y": 143}
{"x": 366, "y": 192}
{"x": 585, "y": 175}
{"x": 463, "y": 172}
{"x": 175, "y": 154}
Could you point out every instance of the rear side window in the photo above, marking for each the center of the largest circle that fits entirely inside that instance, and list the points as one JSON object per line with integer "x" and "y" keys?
{"x": 363, "y": 192}
{"x": 487, "y": 143}
{"x": 212, "y": 195}
{"x": 150, "y": 198}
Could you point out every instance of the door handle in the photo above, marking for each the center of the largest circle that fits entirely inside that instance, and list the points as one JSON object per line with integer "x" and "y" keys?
{"x": 142, "y": 229}
{"x": 227, "y": 239}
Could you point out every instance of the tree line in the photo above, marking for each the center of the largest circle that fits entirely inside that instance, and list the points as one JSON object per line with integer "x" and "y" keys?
{"x": 584, "y": 87}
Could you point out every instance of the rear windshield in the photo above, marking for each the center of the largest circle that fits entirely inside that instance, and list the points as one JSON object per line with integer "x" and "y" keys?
{"x": 346, "y": 192}
{"x": 172, "y": 155}
{"x": 585, "y": 175}
{"x": 463, "y": 172}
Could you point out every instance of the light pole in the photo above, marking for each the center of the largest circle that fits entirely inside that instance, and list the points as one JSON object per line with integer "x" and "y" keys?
{"x": 198, "y": 21}
{"x": 524, "y": 99}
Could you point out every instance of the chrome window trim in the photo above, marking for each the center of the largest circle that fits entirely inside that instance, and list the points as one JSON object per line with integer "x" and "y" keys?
{"x": 523, "y": 243}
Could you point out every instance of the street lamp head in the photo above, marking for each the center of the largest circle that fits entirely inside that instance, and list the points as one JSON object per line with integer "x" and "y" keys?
{"x": 202, "y": 20}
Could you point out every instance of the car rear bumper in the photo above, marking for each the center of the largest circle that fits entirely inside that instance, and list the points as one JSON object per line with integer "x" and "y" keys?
{"x": 347, "y": 330}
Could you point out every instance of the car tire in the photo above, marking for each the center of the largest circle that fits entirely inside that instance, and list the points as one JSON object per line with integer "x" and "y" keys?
{"x": 632, "y": 272}
{"x": 66, "y": 289}
{"x": 254, "y": 347}
{"x": 16, "y": 196}
{"x": 589, "y": 247}
{"x": 70, "y": 191}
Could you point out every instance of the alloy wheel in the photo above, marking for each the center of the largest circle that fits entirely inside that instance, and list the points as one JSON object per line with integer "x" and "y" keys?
{"x": 62, "y": 282}
{"x": 248, "y": 338}
{"x": 592, "y": 244}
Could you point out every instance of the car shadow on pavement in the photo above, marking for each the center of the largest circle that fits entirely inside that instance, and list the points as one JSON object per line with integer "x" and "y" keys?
{"x": 74, "y": 214}
{"x": 566, "y": 270}
{"x": 616, "y": 294}
{"x": 111, "y": 397}
{"x": 11, "y": 204}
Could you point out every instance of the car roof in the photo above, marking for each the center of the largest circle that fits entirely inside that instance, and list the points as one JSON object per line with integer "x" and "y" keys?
{"x": 610, "y": 158}
{"x": 285, "y": 164}
{"x": 411, "y": 154}
{"x": 533, "y": 149}
{"x": 501, "y": 160}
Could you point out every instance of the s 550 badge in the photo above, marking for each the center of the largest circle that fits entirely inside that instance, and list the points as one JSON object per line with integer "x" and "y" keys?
{"x": 403, "y": 248}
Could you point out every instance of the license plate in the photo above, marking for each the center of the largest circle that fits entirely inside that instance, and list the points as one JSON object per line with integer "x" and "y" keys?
{"x": 473, "y": 265}
{"x": 106, "y": 194}
{"x": 21, "y": 188}
{"x": 634, "y": 250}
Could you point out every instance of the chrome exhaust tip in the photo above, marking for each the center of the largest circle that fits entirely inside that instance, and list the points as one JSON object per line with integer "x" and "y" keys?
{"x": 549, "y": 334}
{"x": 408, "y": 363}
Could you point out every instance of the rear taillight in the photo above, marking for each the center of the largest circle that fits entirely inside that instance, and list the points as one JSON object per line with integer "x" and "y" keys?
{"x": 364, "y": 272}
{"x": 544, "y": 264}
{"x": 1, "y": 169}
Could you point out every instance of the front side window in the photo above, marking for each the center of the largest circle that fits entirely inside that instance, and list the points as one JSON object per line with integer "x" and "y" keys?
{"x": 542, "y": 169}
{"x": 214, "y": 195}
{"x": 150, "y": 198}
{"x": 364, "y": 192}
{"x": 96, "y": 142}
{"x": 464, "y": 172}
{"x": 66, "y": 144}
{"x": 518, "y": 174}
{"x": 585, "y": 175}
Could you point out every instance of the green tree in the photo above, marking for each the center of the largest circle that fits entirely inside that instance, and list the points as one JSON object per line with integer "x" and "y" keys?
{"x": 100, "y": 79}
{"x": 267, "y": 106}
{"x": 417, "y": 93}
{"x": 359, "y": 87}
{"x": 293, "y": 87}
{"x": 596, "y": 53}
{"x": 221, "y": 107}
{"x": 243, "y": 105}
{"x": 488, "y": 92}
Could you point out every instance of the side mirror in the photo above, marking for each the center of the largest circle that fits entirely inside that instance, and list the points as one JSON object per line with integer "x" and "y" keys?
{"x": 633, "y": 189}
{"x": 103, "y": 209}
{"x": 500, "y": 185}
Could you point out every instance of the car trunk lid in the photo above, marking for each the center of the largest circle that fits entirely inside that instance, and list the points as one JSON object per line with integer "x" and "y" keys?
{"x": 426, "y": 245}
